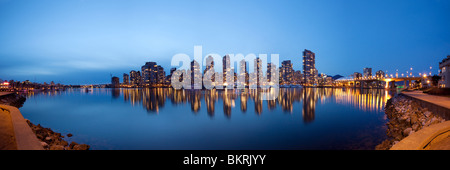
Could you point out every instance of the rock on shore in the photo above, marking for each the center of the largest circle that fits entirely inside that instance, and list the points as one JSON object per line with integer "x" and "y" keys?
{"x": 13, "y": 100}
{"x": 51, "y": 140}
{"x": 405, "y": 117}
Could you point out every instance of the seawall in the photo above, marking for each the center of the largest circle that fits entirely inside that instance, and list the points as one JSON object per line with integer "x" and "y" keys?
{"x": 406, "y": 116}
{"x": 23, "y": 136}
{"x": 439, "y": 105}
{"x": 413, "y": 119}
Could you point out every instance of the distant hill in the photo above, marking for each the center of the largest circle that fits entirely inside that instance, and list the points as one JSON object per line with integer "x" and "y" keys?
{"x": 337, "y": 77}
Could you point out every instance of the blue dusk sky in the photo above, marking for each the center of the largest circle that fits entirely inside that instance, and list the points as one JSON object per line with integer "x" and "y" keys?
{"x": 84, "y": 41}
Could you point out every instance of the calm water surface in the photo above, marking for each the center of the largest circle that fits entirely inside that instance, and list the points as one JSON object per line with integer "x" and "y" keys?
{"x": 300, "y": 118}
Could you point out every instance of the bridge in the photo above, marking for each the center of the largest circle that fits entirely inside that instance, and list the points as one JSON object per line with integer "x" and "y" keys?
{"x": 380, "y": 82}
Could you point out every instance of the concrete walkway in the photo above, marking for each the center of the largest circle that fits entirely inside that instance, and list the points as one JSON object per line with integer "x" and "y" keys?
{"x": 435, "y": 137}
{"x": 444, "y": 144}
{"x": 5, "y": 93}
{"x": 7, "y": 139}
{"x": 15, "y": 132}
{"x": 437, "y": 100}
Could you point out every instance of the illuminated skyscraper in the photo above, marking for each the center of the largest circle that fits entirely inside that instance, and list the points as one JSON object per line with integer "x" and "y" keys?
{"x": 133, "y": 77}
{"x": 298, "y": 77}
{"x": 357, "y": 75}
{"x": 149, "y": 73}
{"x": 115, "y": 82}
{"x": 367, "y": 72}
{"x": 126, "y": 79}
{"x": 309, "y": 67}
{"x": 270, "y": 74}
{"x": 228, "y": 71}
{"x": 287, "y": 72}
{"x": 243, "y": 73}
{"x": 160, "y": 75}
{"x": 380, "y": 74}
{"x": 196, "y": 75}
{"x": 210, "y": 66}
{"x": 258, "y": 71}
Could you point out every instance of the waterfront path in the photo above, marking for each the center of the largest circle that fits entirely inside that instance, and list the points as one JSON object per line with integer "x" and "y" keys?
{"x": 7, "y": 139}
{"x": 5, "y": 93}
{"x": 435, "y": 137}
{"x": 437, "y": 100}
{"x": 15, "y": 133}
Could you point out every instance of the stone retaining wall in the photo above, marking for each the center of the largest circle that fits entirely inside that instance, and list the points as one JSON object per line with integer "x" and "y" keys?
{"x": 436, "y": 109}
{"x": 406, "y": 116}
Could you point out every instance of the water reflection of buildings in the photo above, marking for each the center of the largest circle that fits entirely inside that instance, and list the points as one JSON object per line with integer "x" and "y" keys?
{"x": 210, "y": 100}
{"x": 289, "y": 99}
{"x": 309, "y": 104}
{"x": 244, "y": 98}
{"x": 194, "y": 98}
{"x": 228, "y": 97}
{"x": 363, "y": 99}
{"x": 153, "y": 99}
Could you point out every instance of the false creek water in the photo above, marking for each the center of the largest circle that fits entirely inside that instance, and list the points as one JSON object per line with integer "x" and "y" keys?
{"x": 168, "y": 119}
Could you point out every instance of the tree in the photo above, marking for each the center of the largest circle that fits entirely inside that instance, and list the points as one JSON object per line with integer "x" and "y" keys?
{"x": 417, "y": 83}
{"x": 435, "y": 79}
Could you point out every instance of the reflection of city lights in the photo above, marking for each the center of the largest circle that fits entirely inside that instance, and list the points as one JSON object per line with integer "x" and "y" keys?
{"x": 370, "y": 100}
{"x": 289, "y": 99}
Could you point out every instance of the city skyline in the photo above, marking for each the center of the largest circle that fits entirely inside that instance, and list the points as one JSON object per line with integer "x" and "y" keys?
{"x": 83, "y": 42}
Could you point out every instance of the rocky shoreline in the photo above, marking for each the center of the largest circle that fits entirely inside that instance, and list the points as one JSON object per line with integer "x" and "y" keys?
{"x": 51, "y": 140}
{"x": 13, "y": 100}
{"x": 405, "y": 117}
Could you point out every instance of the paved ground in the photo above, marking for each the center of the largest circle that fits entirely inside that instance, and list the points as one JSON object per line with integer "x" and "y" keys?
{"x": 438, "y": 100}
{"x": 441, "y": 145}
{"x": 5, "y": 93}
{"x": 7, "y": 139}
